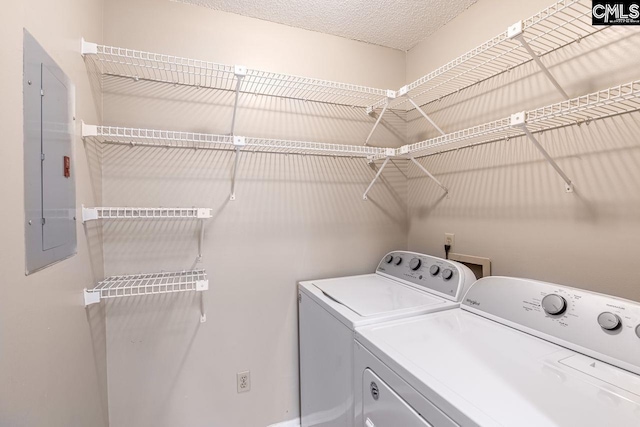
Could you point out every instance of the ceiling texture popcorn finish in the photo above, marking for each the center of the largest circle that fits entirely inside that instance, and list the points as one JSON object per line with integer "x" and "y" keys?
{"x": 398, "y": 24}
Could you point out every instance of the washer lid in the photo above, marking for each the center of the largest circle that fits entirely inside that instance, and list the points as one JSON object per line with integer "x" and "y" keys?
{"x": 372, "y": 295}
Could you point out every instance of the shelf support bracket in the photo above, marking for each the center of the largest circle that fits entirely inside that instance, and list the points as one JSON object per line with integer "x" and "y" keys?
{"x": 433, "y": 178}
{"x": 89, "y": 214}
{"x": 240, "y": 71}
{"x": 384, "y": 108}
{"x": 239, "y": 142}
{"x": 518, "y": 120}
{"x": 201, "y": 241}
{"x": 91, "y": 297}
{"x": 203, "y": 314}
{"x": 417, "y": 107}
{"x": 516, "y": 32}
{"x": 89, "y": 130}
{"x": 87, "y": 48}
{"x": 364, "y": 196}
{"x": 202, "y": 285}
{"x": 390, "y": 95}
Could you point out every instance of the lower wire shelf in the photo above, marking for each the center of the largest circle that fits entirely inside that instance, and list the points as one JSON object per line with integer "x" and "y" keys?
{"x": 147, "y": 284}
{"x": 89, "y": 214}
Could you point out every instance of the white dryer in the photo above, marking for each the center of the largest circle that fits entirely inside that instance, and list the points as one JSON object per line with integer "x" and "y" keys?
{"x": 518, "y": 353}
{"x": 404, "y": 284}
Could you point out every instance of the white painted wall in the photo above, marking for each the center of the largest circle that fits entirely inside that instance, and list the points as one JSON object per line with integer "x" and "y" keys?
{"x": 506, "y": 202}
{"x": 294, "y": 218}
{"x": 52, "y": 353}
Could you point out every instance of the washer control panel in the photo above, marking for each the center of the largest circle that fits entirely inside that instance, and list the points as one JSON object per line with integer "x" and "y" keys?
{"x": 448, "y": 278}
{"x": 606, "y": 326}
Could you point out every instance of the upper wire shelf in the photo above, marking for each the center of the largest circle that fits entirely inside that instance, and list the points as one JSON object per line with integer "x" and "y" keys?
{"x": 158, "y": 67}
{"x": 621, "y": 99}
{"x": 147, "y": 284}
{"x": 165, "y": 138}
{"x": 558, "y": 25}
{"x": 96, "y": 213}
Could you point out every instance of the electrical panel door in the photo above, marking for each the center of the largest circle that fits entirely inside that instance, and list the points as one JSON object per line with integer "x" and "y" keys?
{"x": 50, "y": 206}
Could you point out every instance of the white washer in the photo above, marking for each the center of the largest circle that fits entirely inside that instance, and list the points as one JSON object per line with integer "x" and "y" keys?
{"x": 404, "y": 284}
{"x": 517, "y": 353}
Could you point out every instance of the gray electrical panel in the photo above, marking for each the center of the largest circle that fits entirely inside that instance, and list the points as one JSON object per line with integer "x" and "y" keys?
{"x": 50, "y": 192}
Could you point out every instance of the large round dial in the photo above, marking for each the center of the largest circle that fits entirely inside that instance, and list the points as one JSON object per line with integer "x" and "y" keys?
{"x": 609, "y": 321}
{"x": 398, "y": 260}
{"x": 554, "y": 304}
{"x": 447, "y": 274}
{"x": 434, "y": 270}
{"x": 638, "y": 331}
{"x": 415, "y": 264}
{"x": 388, "y": 259}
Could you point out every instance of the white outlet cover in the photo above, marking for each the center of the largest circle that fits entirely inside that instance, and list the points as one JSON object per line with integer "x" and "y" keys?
{"x": 244, "y": 381}
{"x": 449, "y": 237}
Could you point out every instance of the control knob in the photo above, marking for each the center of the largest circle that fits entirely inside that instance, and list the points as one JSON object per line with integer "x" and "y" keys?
{"x": 609, "y": 321}
{"x": 638, "y": 331}
{"x": 447, "y": 274}
{"x": 388, "y": 259}
{"x": 434, "y": 270}
{"x": 398, "y": 260}
{"x": 554, "y": 304}
{"x": 415, "y": 264}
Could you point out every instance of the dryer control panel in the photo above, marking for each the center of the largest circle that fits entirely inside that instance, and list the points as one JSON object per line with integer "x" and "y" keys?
{"x": 601, "y": 326}
{"x": 448, "y": 278}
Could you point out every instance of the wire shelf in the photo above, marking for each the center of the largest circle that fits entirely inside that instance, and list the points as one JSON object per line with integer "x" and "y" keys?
{"x": 89, "y": 214}
{"x": 609, "y": 102}
{"x": 156, "y": 138}
{"x": 147, "y": 284}
{"x": 613, "y": 101}
{"x": 493, "y": 130}
{"x": 135, "y": 64}
{"x": 315, "y": 148}
{"x": 558, "y": 25}
{"x": 165, "y": 138}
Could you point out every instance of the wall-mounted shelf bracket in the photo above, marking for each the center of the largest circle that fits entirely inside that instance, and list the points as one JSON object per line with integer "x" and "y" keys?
{"x": 203, "y": 314}
{"x": 89, "y": 214}
{"x": 87, "y": 48}
{"x": 91, "y": 297}
{"x": 239, "y": 142}
{"x": 519, "y": 120}
{"x": 391, "y": 94}
{"x": 516, "y": 32}
{"x": 386, "y": 160}
{"x": 421, "y": 111}
{"x": 200, "y": 241}
{"x": 433, "y": 178}
{"x": 240, "y": 71}
{"x": 88, "y": 130}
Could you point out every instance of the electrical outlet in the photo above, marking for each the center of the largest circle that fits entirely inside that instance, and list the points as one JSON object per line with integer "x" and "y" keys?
{"x": 449, "y": 239}
{"x": 244, "y": 381}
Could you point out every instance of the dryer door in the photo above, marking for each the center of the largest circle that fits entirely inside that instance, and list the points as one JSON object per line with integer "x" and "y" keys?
{"x": 382, "y": 407}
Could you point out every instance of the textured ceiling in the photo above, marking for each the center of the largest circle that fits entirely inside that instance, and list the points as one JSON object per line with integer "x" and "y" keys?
{"x": 399, "y": 24}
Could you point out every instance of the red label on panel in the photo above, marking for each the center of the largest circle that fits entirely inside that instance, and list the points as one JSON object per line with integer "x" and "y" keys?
{"x": 67, "y": 166}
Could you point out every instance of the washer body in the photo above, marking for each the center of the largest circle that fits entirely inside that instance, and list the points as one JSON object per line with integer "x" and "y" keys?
{"x": 503, "y": 360}
{"x": 331, "y": 309}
